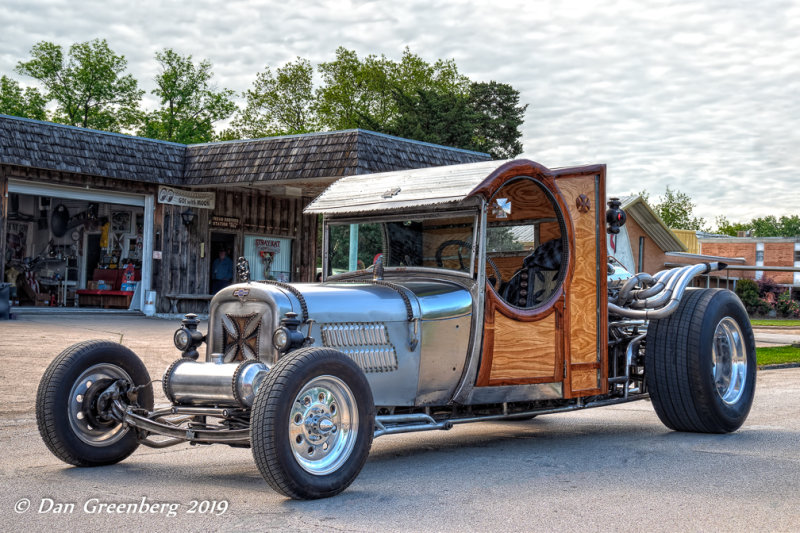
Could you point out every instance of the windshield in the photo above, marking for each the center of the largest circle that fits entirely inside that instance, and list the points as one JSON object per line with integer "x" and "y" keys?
{"x": 434, "y": 242}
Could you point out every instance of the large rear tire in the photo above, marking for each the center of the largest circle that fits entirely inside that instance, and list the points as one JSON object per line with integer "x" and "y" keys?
{"x": 701, "y": 363}
{"x": 312, "y": 424}
{"x": 66, "y": 403}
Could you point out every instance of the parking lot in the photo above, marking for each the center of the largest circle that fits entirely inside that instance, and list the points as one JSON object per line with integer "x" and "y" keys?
{"x": 606, "y": 469}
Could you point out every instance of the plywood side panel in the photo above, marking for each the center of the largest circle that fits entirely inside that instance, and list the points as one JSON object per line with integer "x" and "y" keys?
{"x": 583, "y": 294}
{"x": 549, "y": 231}
{"x": 584, "y": 379}
{"x": 524, "y": 350}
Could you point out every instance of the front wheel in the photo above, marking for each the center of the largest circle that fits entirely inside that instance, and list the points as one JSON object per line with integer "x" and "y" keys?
{"x": 70, "y": 421}
{"x": 312, "y": 424}
{"x": 701, "y": 363}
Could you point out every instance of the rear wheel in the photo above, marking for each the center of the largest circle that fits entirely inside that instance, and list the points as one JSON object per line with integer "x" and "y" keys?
{"x": 312, "y": 424}
{"x": 701, "y": 363}
{"x": 71, "y": 422}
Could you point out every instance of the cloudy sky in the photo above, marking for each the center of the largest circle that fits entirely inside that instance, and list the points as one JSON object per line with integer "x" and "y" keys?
{"x": 703, "y": 96}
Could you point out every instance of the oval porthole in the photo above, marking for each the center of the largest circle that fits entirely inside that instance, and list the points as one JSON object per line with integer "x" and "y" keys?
{"x": 526, "y": 245}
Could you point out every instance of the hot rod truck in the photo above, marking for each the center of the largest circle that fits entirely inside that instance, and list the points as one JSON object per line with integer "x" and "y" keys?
{"x": 449, "y": 295}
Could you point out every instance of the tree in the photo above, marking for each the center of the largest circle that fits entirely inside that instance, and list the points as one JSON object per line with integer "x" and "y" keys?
{"x": 28, "y": 103}
{"x": 726, "y": 227}
{"x": 499, "y": 116}
{"x": 429, "y": 116}
{"x": 356, "y": 92}
{"x": 410, "y": 98}
{"x": 89, "y": 86}
{"x": 279, "y": 104}
{"x": 768, "y": 226}
{"x": 190, "y": 105}
{"x": 676, "y": 209}
{"x": 350, "y": 89}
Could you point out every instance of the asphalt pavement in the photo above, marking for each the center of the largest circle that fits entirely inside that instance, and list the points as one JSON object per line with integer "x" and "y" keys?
{"x": 608, "y": 469}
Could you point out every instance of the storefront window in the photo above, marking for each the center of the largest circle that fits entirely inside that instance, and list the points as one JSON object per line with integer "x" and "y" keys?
{"x": 58, "y": 248}
{"x": 269, "y": 257}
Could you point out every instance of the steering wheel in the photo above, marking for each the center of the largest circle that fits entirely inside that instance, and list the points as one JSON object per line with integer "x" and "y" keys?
{"x": 453, "y": 242}
{"x": 464, "y": 268}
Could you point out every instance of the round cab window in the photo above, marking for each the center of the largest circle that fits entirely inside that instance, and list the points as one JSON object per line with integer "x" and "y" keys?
{"x": 525, "y": 248}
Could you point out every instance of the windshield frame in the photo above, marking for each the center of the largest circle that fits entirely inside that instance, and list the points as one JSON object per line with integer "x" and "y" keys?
{"x": 327, "y": 222}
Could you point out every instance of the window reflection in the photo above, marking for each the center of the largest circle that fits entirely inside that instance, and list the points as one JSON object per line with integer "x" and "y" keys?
{"x": 442, "y": 242}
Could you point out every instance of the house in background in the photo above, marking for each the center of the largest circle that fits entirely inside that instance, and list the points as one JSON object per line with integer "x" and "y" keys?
{"x": 759, "y": 252}
{"x": 79, "y": 205}
{"x": 646, "y": 244}
{"x": 644, "y": 241}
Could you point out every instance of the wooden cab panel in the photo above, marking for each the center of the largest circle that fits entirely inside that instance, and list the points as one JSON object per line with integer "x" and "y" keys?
{"x": 563, "y": 339}
{"x": 586, "y": 312}
{"x": 520, "y": 350}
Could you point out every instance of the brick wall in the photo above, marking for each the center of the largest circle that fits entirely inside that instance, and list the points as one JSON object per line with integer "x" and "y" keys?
{"x": 733, "y": 249}
{"x": 779, "y": 254}
{"x": 654, "y": 257}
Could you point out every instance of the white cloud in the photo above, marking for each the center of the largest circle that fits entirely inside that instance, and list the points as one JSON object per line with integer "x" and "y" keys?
{"x": 700, "y": 96}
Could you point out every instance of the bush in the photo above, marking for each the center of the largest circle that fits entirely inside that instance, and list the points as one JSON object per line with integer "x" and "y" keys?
{"x": 748, "y": 292}
{"x": 787, "y": 307}
{"x": 767, "y": 285}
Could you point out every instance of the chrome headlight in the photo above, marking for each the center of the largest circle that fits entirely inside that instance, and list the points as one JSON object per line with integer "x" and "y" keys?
{"x": 280, "y": 339}
{"x": 187, "y": 338}
{"x": 287, "y": 337}
{"x": 182, "y": 339}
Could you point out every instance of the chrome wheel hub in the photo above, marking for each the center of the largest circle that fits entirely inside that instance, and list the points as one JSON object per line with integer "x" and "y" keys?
{"x": 729, "y": 358}
{"x": 88, "y": 425}
{"x": 323, "y": 424}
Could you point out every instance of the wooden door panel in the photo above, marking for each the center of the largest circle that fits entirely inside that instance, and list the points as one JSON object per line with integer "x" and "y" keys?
{"x": 524, "y": 350}
{"x": 586, "y": 314}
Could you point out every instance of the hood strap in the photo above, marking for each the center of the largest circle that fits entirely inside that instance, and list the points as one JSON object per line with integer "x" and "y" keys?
{"x": 293, "y": 290}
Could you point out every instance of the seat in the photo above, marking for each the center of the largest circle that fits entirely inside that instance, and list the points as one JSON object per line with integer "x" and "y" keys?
{"x": 538, "y": 277}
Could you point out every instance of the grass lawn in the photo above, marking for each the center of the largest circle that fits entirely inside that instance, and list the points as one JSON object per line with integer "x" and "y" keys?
{"x": 775, "y": 322}
{"x": 777, "y": 355}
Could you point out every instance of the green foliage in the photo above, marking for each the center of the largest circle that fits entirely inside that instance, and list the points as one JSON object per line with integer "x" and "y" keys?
{"x": 279, "y": 104}
{"x": 89, "y": 85}
{"x": 499, "y": 116}
{"x": 726, "y": 227}
{"x": 370, "y": 243}
{"x": 768, "y": 226}
{"x": 676, "y": 209}
{"x": 440, "y": 118}
{"x": 27, "y": 103}
{"x": 409, "y": 97}
{"x": 748, "y": 293}
{"x": 786, "y": 306}
{"x": 189, "y": 104}
{"x": 356, "y": 92}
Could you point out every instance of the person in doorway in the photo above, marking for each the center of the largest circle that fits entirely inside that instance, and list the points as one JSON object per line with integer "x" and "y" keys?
{"x": 221, "y": 272}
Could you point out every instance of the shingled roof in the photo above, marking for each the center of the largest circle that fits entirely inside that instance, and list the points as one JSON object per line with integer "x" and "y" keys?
{"x": 49, "y": 146}
{"x": 44, "y": 145}
{"x": 314, "y": 155}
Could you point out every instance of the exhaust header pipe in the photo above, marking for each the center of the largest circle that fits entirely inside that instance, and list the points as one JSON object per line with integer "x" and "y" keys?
{"x": 659, "y": 295}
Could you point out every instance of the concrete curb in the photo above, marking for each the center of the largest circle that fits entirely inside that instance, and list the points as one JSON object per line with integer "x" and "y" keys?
{"x": 779, "y": 366}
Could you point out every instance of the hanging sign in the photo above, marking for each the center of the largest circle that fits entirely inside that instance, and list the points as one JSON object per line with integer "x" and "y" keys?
{"x": 201, "y": 200}
{"x": 221, "y": 222}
